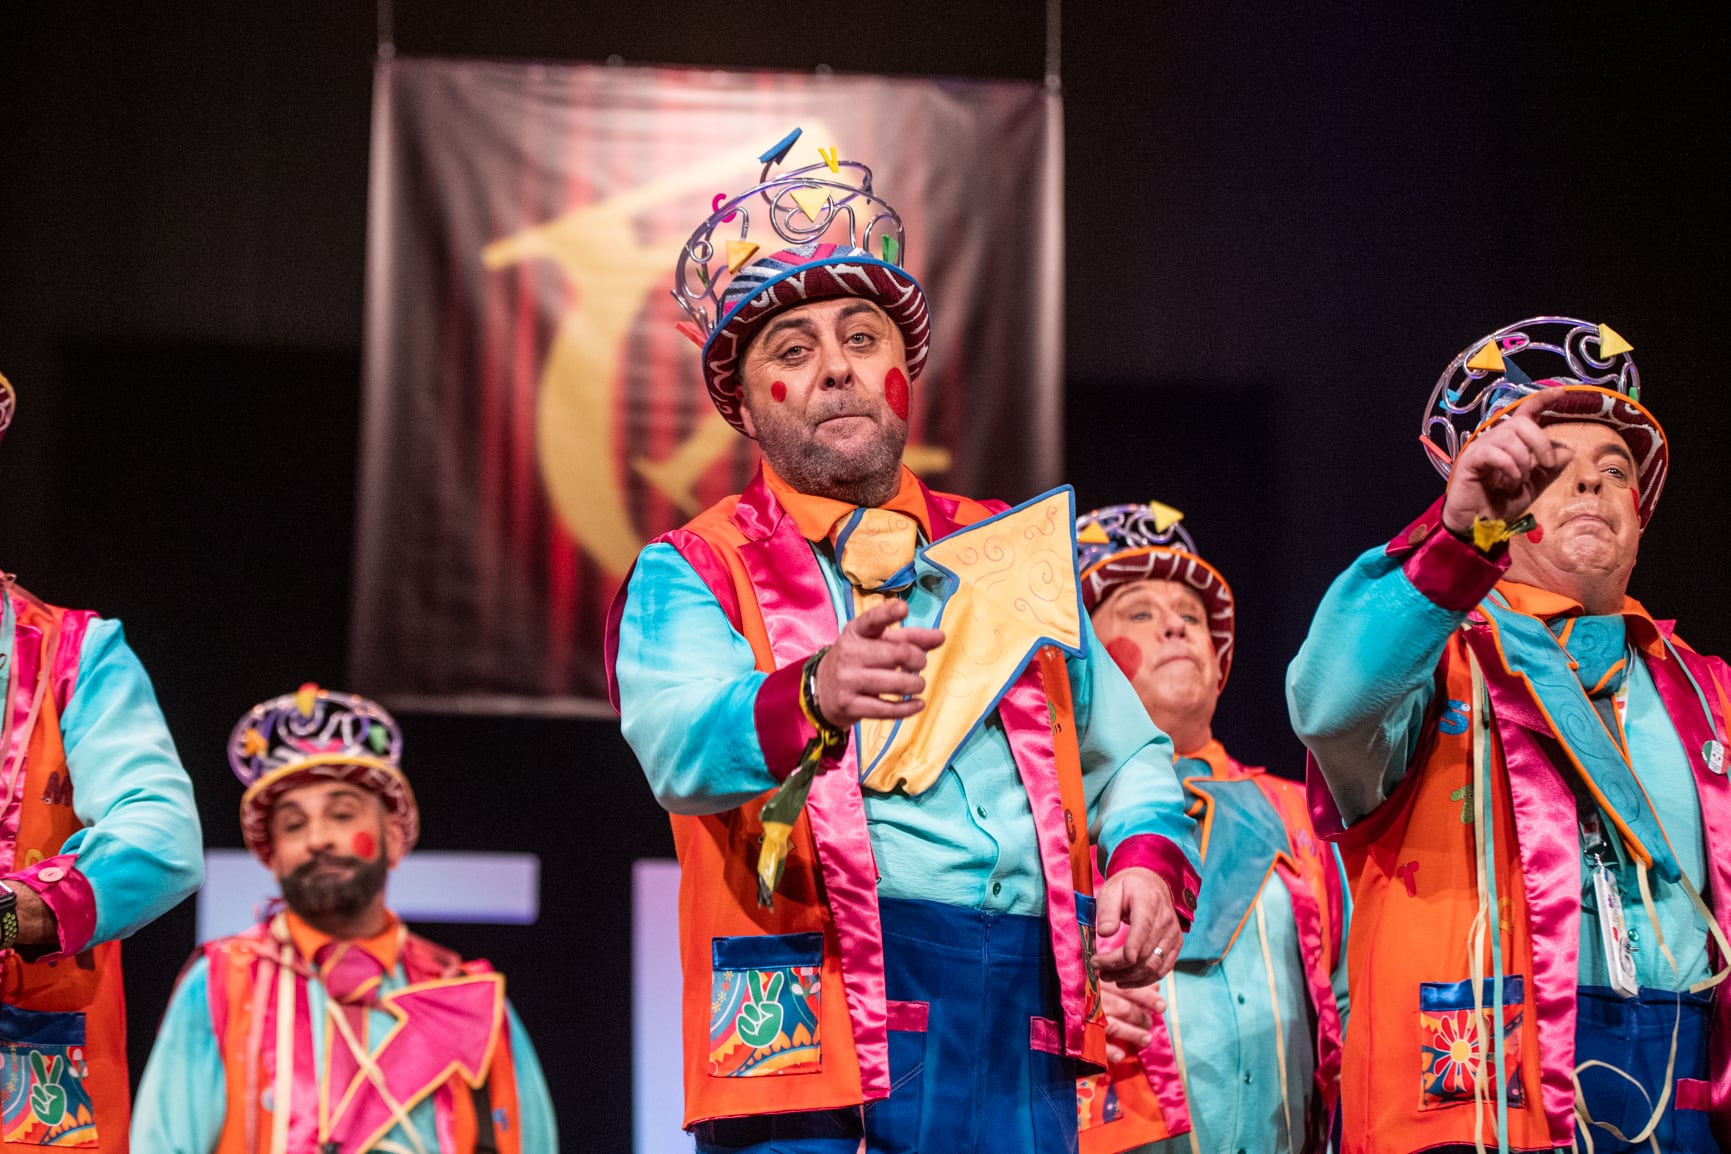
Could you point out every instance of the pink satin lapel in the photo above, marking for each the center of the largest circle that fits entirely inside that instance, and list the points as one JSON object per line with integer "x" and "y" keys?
{"x": 304, "y": 1093}
{"x": 1023, "y": 710}
{"x": 67, "y": 655}
{"x": 1714, "y": 791}
{"x": 27, "y": 663}
{"x": 1550, "y": 850}
{"x": 1160, "y": 1067}
{"x": 800, "y": 618}
{"x": 1313, "y": 948}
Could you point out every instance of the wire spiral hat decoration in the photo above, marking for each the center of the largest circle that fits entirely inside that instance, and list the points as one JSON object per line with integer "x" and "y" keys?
{"x": 1591, "y": 362}
{"x": 801, "y": 207}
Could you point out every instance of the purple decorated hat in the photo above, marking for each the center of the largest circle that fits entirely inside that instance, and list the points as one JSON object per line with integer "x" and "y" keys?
{"x": 802, "y": 207}
{"x": 1124, "y": 543}
{"x": 315, "y": 734}
{"x": 1592, "y": 363}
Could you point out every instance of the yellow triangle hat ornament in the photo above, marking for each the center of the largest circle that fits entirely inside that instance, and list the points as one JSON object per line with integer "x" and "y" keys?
{"x": 1123, "y": 543}
{"x": 1590, "y": 362}
{"x": 8, "y": 404}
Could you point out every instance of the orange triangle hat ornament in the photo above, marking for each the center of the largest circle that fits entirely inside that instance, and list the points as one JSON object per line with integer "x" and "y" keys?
{"x": 8, "y": 404}
{"x": 1592, "y": 363}
{"x": 828, "y": 235}
{"x": 318, "y": 734}
{"x": 1123, "y": 543}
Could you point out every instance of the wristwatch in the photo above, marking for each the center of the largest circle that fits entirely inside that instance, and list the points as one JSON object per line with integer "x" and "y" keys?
{"x": 8, "y": 917}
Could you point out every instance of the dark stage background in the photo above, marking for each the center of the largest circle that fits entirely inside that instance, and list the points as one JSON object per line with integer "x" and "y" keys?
{"x": 1282, "y": 223}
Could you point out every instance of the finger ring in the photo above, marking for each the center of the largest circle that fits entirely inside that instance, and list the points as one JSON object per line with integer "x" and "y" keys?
{"x": 1158, "y": 952}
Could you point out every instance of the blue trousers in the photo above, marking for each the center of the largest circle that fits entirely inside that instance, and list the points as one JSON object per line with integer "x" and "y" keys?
{"x": 1634, "y": 1035}
{"x": 972, "y": 1081}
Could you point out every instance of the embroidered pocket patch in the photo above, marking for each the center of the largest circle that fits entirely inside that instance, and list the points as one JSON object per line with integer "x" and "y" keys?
{"x": 1458, "y": 1051}
{"x": 764, "y": 1002}
{"x": 44, "y": 1099}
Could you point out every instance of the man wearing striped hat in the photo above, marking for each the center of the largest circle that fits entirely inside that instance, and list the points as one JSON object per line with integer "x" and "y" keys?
{"x": 329, "y": 1028}
{"x": 1239, "y": 1048}
{"x": 1525, "y": 772}
{"x": 885, "y": 829}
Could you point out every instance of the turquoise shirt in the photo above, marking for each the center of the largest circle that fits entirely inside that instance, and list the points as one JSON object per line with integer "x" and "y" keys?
{"x": 140, "y": 849}
{"x": 182, "y": 1100}
{"x": 1359, "y": 691}
{"x": 688, "y": 686}
{"x": 1228, "y": 1024}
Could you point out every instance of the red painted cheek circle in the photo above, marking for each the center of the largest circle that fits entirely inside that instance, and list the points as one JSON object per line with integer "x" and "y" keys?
{"x": 1536, "y": 534}
{"x": 1127, "y": 654}
{"x": 778, "y": 391}
{"x": 896, "y": 393}
{"x": 365, "y": 846}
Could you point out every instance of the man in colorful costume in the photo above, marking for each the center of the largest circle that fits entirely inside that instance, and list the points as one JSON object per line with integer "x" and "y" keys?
{"x": 1240, "y": 1050}
{"x": 936, "y": 909}
{"x": 99, "y": 836}
{"x": 1526, "y": 775}
{"x": 329, "y": 1028}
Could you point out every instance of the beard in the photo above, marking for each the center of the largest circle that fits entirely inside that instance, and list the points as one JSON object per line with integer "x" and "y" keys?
{"x": 868, "y": 475}
{"x": 316, "y": 896}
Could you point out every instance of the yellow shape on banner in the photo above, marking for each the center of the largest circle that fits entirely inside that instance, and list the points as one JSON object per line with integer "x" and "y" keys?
{"x": 738, "y": 252}
{"x": 810, "y": 200}
{"x": 1165, "y": 516}
{"x": 1488, "y": 359}
{"x": 1016, "y": 592}
{"x": 1611, "y": 342}
{"x": 832, "y": 157}
{"x": 1093, "y": 534}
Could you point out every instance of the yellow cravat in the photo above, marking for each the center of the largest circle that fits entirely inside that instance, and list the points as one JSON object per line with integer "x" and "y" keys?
{"x": 874, "y": 548}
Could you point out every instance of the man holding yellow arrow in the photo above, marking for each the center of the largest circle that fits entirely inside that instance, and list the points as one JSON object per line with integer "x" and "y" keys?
{"x": 897, "y": 954}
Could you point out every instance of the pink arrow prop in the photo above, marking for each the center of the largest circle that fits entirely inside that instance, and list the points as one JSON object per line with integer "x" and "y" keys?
{"x": 443, "y": 1028}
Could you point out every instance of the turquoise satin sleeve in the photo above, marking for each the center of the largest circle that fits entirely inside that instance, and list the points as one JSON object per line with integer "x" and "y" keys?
{"x": 1358, "y": 690}
{"x": 181, "y": 1103}
{"x": 141, "y": 849}
{"x": 534, "y": 1107}
{"x": 1127, "y": 769}
{"x": 687, "y": 690}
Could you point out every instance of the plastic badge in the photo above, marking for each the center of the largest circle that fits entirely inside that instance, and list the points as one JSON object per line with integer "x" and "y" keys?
{"x": 1713, "y": 753}
{"x": 1614, "y": 933}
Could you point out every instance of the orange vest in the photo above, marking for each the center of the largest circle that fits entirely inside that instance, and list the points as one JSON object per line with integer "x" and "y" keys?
{"x": 825, "y": 909}
{"x": 1142, "y": 1099}
{"x": 1413, "y": 865}
{"x": 238, "y": 999}
{"x": 85, "y": 993}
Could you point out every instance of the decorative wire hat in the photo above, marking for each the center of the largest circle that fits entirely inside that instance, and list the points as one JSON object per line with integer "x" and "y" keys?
{"x": 801, "y": 206}
{"x": 313, "y": 734}
{"x": 1123, "y": 543}
{"x": 1591, "y": 362}
{"x": 8, "y": 404}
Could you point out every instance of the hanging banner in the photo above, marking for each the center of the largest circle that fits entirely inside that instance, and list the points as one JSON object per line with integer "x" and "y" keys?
{"x": 532, "y": 416}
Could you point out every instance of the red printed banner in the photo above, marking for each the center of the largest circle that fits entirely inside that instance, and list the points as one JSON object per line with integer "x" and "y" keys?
{"x": 532, "y": 414}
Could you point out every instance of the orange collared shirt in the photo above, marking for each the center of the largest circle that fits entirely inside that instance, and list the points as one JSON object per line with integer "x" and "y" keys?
{"x": 816, "y": 516}
{"x": 1544, "y": 604}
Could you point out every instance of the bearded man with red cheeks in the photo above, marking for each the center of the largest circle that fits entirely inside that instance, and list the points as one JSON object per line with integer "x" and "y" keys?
{"x": 905, "y": 962}
{"x": 329, "y": 1026}
{"x": 1239, "y": 1048}
{"x": 1525, "y": 772}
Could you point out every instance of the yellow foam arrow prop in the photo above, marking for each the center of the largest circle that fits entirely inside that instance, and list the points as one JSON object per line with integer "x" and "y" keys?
{"x": 1165, "y": 516}
{"x": 1488, "y": 359}
{"x": 810, "y": 200}
{"x": 738, "y": 252}
{"x": 1016, "y": 592}
{"x": 1611, "y": 342}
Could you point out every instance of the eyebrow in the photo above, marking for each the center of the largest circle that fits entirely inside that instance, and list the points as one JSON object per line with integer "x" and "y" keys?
{"x": 1615, "y": 446}
{"x": 784, "y": 324}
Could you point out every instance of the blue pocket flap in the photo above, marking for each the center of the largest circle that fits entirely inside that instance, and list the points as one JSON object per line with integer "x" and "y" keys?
{"x": 767, "y": 951}
{"x": 1441, "y": 997}
{"x": 41, "y": 1027}
{"x": 1085, "y": 910}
